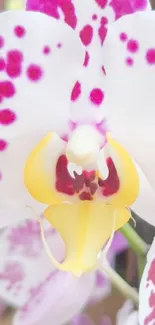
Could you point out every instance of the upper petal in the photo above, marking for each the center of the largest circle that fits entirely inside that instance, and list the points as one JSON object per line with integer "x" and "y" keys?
{"x": 40, "y": 58}
{"x": 129, "y": 58}
{"x": 90, "y": 22}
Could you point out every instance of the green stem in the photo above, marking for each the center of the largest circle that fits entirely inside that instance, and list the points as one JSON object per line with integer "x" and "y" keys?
{"x": 135, "y": 241}
{"x": 127, "y": 291}
{"x": 141, "y": 266}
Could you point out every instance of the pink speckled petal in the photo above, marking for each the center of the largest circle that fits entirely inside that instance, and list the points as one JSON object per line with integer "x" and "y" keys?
{"x": 82, "y": 319}
{"x": 24, "y": 264}
{"x": 147, "y": 291}
{"x": 90, "y": 22}
{"x": 59, "y": 299}
{"x": 129, "y": 105}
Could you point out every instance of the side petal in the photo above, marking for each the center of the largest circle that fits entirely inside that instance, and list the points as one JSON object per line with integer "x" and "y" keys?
{"x": 14, "y": 197}
{"x": 130, "y": 86}
{"x": 144, "y": 206}
{"x": 61, "y": 297}
{"x": 147, "y": 291}
{"x": 90, "y": 23}
{"x": 84, "y": 228}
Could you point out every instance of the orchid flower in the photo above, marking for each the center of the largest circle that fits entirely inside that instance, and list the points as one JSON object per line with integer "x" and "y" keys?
{"x": 57, "y": 154}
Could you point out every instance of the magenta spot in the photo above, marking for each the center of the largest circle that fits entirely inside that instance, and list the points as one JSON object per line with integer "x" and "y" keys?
{"x": 96, "y": 96}
{"x": 2, "y": 64}
{"x": 150, "y": 56}
{"x": 102, "y": 3}
{"x": 7, "y": 89}
{"x": 3, "y": 146}
{"x": 34, "y": 72}
{"x": 19, "y": 31}
{"x": 68, "y": 9}
{"x": 15, "y": 56}
{"x": 103, "y": 69}
{"x": 1, "y": 41}
{"x": 7, "y": 116}
{"x": 59, "y": 45}
{"x": 46, "y": 50}
{"x": 123, "y": 37}
{"x": 123, "y": 7}
{"x": 76, "y": 92}
{"x": 129, "y": 62}
{"x": 132, "y": 46}
{"x": 94, "y": 17}
{"x": 1, "y": 99}
{"x": 86, "y": 35}
{"x": 86, "y": 60}
{"x": 102, "y": 31}
{"x": 14, "y": 61}
{"x": 13, "y": 70}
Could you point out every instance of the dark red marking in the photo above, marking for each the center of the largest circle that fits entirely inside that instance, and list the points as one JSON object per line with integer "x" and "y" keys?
{"x": 85, "y": 185}
{"x": 110, "y": 185}
{"x": 85, "y": 196}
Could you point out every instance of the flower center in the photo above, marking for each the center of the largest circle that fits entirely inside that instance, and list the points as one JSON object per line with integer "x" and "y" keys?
{"x": 88, "y": 183}
{"x": 84, "y": 145}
